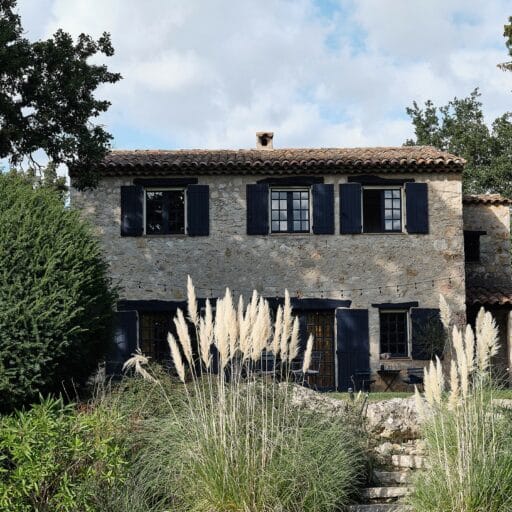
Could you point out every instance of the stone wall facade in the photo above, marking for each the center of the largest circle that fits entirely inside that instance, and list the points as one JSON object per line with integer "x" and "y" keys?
{"x": 364, "y": 268}
{"x": 494, "y": 265}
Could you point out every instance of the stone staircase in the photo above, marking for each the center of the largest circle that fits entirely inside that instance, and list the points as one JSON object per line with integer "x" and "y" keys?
{"x": 395, "y": 465}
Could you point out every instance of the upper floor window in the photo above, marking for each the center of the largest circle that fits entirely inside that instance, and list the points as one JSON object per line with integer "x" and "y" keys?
{"x": 290, "y": 211}
{"x": 472, "y": 245}
{"x": 382, "y": 210}
{"x": 165, "y": 212}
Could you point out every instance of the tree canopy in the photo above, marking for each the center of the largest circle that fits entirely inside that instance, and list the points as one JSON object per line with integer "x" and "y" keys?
{"x": 459, "y": 127}
{"x": 47, "y": 97}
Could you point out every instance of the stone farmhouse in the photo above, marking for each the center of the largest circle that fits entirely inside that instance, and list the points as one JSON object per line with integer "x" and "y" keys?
{"x": 364, "y": 239}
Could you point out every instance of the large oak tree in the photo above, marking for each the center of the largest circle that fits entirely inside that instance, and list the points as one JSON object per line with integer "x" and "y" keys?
{"x": 47, "y": 97}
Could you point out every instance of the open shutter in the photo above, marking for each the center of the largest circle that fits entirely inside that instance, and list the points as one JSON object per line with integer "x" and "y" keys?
{"x": 124, "y": 343}
{"x": 198, "y": 210}
{"x": 416, "y": 200}
{"x": 257, "y": 209}
{"x": 350, "y": 208}
{"x": 323, "y": 209}
{"x": 353, "y": 344}
{"x": 427, "y": 333}
{"x": 132, "y": 207}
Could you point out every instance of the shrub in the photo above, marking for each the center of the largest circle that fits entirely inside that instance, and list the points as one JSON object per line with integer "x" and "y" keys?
{"x": 56, "y": 314}
{"x": 468, "y": 435}
{"x": 236, "y": 441}
{"x": 53, "y": 458}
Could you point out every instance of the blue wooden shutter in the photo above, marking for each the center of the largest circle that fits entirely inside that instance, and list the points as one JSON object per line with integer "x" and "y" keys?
{"x": 416, "y": 199}
{"x": 257, "y": 209}
{"x": 425, "y": 324}
{"x": 124, "y": 343}
{"x": 350, "y": 208}
{"x": 132, "y": 207}
{"x": 323, "y": 209}
{"x": 198, "y": 210}
{"x": 353, "y": 344}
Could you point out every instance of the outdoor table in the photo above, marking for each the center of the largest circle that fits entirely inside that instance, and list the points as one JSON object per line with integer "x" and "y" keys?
{"x": 389, "y": 376}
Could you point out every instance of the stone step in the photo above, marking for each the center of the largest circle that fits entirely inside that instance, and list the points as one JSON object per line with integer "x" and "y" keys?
{"x": 392, "y": 477}
{"x": 379, "y": 507}
{"x": 408, "y": 461}
{"x": 385, "y": 493}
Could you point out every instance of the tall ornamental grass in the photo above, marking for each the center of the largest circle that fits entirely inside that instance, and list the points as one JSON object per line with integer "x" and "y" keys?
{"x": 469, "y": 437}
{"x": 236, "y": 441}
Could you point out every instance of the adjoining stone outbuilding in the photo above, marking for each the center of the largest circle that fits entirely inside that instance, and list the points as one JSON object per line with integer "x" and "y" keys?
{"x": 364, "y": 239}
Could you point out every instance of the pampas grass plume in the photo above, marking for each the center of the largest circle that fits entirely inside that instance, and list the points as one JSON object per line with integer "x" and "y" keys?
{"x": 176, "y": 356}
{"x": 192, "y": 302}
{"x": 307, "y": 355}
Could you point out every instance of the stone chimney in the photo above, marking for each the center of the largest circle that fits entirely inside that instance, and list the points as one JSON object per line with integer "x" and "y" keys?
{"x": 264, "y": 140}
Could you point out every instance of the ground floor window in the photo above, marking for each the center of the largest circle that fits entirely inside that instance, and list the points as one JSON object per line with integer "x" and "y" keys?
{"x": 394, "y": 338}
{"x": 321, "y": 325}
{"x": 153, "y": 335}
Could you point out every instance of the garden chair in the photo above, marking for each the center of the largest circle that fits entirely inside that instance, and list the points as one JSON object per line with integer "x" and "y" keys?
{"x": 362, "y": 380}
{"x": 414, "y": 376}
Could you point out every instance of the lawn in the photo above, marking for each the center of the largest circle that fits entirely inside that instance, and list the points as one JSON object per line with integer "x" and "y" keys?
{"x": 379, "y": 396}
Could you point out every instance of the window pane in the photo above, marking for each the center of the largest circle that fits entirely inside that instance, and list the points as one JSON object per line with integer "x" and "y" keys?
{"x": 389, "y": 225}
{"x": 275, "y": 195}
{"x": 388, "y": 214}
{"x": 284, "y": 226}
{"x": 282, "y": 204}
{"x": 154, "y": 212}
{"x": 176, "y": 211}
{"x": 396, "y": 193}
{"x": 396, "y": 225}
{"x": 275, "y": 215}
{"x": 296, "y": 225}
{"x": 393, "y": 333}
{"x": 296, "y": 204}
{"x": 388, "y": 203}
{"x": 275, "y": 226}
{"x": 275, "y": 204}
{"x": 296, "y": 195}
{"x": 396, "y": 203}
{"x": 305, "y": 195}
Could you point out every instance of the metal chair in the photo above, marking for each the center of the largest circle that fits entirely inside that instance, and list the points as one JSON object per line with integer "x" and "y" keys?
{"x": 267, "y": 364}
{"x": 362, "y": 380}
{"x": 414, "y": 376}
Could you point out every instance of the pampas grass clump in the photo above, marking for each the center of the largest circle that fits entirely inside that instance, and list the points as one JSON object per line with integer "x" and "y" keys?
{"x": 236, "y": 442}
{"x": 469, "y": 438}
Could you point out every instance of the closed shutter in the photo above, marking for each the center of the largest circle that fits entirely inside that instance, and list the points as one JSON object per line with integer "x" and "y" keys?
{"x": 353, "y": 344}
{"x": 323, "y": 209}
{"x": 132, "y": 207}
{"x": 198, "y": 210}
{"x": 257, "y": 209}
{"x": 350, "y": 208}
{"x": 416, "y": 199}
{"x": 427, "y": 333}
{"x": 124, "y": 343}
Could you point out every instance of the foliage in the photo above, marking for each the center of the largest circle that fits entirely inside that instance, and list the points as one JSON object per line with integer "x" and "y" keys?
{"x": 507, "y": 66}
{"x": 47, "y": 96}
{"x": 459, "y": 128}
{"x": 54, "y": 458}
{"x": 467, "y": 434}
{"x": 233, "y": 440}
{"x": 56, "y": 314}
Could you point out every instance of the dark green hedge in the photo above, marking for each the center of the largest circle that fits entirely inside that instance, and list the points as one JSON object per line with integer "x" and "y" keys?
{"x": 56, "y": 302}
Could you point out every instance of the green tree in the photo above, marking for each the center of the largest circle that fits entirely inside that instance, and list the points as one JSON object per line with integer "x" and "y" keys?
{"x": 47, "y": 97}
{"x": 57, "y": 303}
{"x": 507, "y": 33}
{"x": 459, "y": 127}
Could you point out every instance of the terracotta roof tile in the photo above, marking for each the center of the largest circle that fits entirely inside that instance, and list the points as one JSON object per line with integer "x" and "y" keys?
{"x": 493, "y": 295}
{"x": 280, "y": 161}
{"x": 495, "y": 199}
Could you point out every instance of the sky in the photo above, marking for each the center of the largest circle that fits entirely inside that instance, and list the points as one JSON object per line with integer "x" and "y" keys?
{"x": 319, "y": 73}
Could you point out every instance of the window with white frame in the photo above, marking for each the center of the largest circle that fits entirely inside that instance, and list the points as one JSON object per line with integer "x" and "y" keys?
{"x": 382, "y": 210}
{"x": 290, "y": 210}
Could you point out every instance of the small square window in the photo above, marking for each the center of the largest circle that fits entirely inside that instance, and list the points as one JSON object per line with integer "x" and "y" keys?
{"x": 289, "y": 211}
{"x": 472, "y": 246}
{"x": 394, "y": 338}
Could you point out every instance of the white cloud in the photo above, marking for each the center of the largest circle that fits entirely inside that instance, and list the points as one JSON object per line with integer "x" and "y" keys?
{"x": 201, "y": 73}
